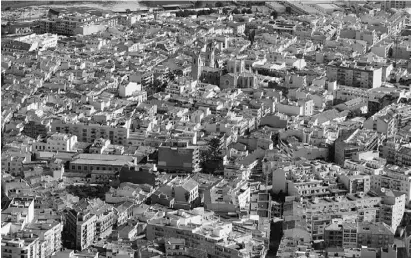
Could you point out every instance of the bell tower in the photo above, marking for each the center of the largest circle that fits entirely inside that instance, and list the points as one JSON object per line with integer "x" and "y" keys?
{"x": 210, "y": 55}
{"x": 196, "y": 66}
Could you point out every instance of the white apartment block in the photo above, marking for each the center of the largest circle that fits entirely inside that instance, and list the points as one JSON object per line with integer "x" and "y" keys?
{"x": 228, "y": 196}
{"x": 43, "y": 41}
{"x": 27, "y": 247}
{"x": 91, "y": 131}
{"x": 204, "y": 234}
{"x": 354, "y": 75}
{"x": 394, "y": 178}
{"x": 13, "y": 162}
{"x": 57, "y": 142}
{"x": 392, "y": 209}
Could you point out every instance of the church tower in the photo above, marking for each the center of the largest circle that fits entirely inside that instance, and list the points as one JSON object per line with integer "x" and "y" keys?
{"x": 210, "y": 55}
{"x": 196, "y": 66}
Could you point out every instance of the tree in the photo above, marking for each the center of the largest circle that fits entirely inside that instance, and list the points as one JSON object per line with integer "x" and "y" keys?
{"x": 199, "y": 4}
{"x": 355, "y": 113}
{"x": 214, "y": 149}
{"x": 212, "y": 158}
{"x": 179, "y": 73}
{"x": 171, "y": 76}
{"x": 249, "y": 11}
{"x": 218, "y": 4}
{"x": 251, "y": 36}
{"x": 226, "y": 10}
{"x": 157, "y": 83}
{"x": 236, "y": 11}
{"x": 180, "y": 13}
{"x": 244, "y": 11}
{"x": 274, "y": 14}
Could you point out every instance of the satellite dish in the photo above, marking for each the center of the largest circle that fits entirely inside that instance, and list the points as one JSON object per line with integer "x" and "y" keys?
{"x": 383, "y": 189}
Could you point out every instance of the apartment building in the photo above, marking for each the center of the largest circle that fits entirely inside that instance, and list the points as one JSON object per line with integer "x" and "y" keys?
{"x": 34, "y": 129}
{"x": 320, "y": 212}
{"x": 12, "y": 46}
{"x": 299, "y": 108}
{"x": 349, "y": 235}
{"x": 69, "y": 24}
{"x": 143, "y": 78}
{"x": 394, "y": 178}
{"x": 404, "y": 114}
{"x": 183, "y": 191}
{"x": 307, "y": 187}
{"x": 174, "y": 159}
{"x": 348, "y": 145}
{"x": 236, "y": 171}
{"x": 354, "y": 75}
{"x": 175, "y": 247}
{"x": 116, "y": 131}
{"x": 204, "y": 235}
{"x": 374, "y": 235}
{"x": 18, "y": 211}
{"x": 56, "y": 142}
{"x": 402, "y": 50}
{"x": 228, "y": 196}
{"x": 356, "y": 183}
{"x": 28, "y": 245}
{"x": 42, "y": 41}
{"x": 378, "y": 102}
{"x": 50, "y": 234}
{"x": 403, "y": 156}
{"x": 384, "y": 122}
{"x": 398, "y": 4}
{"x": 354, "y": 235}
{"x": 333, "y": 235}
{"x": 369, "y": 36}
{"x": 345, "y": 93}
{"x": 261, "y": 205}
{"x": 368, "y": 167}
{"x": 80, "y": 226}
{"x": 392, "y": 208}
{"x": 13, "y": 162}
{"x": 105, "y": 220}
{"x": 123, "y": 212}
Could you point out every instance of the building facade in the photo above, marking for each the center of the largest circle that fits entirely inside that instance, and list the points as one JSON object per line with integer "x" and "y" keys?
{"x": 356, "y": 76}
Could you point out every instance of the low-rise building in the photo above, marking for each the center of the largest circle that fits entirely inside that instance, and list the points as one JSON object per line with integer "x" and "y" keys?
{"x": 228, "y": 196}
{"x": 184, "y": 158}
{"x": 27, "y": 245}
{"x": 177, "y": 193}
{"x": 346, "y": 146}
{"x": 50, "y": 234}
{"x": 18, "y": 211}
{"x": 56, "y": 142}
{"x": 86, "y": 163}
{"x": 204, "y": 235}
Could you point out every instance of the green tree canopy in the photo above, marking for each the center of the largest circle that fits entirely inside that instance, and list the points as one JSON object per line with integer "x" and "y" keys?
{"x": 213, "y": 155}
{"x": 274, "y": 14}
